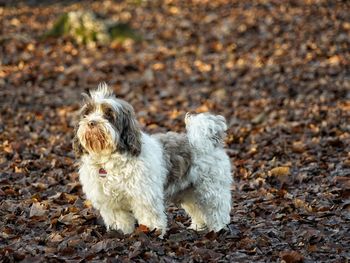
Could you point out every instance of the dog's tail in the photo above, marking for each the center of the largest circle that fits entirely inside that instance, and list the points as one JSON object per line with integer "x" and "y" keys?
{"x": 205, "y": 131}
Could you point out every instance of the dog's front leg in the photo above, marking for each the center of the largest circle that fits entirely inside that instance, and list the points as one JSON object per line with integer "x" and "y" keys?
{"x": 151, "y": 213}
{"x": 118, "y": 220}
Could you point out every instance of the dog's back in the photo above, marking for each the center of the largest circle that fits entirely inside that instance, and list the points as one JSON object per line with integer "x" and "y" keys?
{"x": 178, "y": 158}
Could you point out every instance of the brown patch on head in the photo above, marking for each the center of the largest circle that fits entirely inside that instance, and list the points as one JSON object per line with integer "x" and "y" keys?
{"x": 87, "y": 109}
{"x": 177, "y": 154}
{"x": 109, "y": 113}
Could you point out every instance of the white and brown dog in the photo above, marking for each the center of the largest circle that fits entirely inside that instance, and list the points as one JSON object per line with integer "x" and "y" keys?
{"x": 129, "y": 175}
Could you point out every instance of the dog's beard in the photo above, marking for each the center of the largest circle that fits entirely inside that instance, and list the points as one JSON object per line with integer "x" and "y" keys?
{"x": 99, "y": 139}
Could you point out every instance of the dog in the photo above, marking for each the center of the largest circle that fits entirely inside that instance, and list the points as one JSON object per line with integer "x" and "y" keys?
{"x": 130, "y": 176}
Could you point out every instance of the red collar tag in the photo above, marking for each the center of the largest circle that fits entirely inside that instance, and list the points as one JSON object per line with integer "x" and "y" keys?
{"x": 102, "y": 171}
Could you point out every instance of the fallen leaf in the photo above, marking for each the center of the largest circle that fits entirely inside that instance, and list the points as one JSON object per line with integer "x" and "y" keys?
{"x": 37, "y": 209}
{"x": 143, "y": 228}
{"x": 291, "y": 256}
{"x": 280, "y": 171}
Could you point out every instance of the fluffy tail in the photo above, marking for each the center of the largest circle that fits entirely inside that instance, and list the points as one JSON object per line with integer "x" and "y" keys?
{"x": 205, "y": 131}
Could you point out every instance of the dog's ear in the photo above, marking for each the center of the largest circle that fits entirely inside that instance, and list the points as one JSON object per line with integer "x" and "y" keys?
{"x": 77, "y": 147}
{"x": 130, "y": 134}
{"x": 86, "y": 98}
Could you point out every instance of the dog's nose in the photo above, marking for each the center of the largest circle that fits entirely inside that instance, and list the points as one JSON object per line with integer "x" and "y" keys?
{"x": 92, "y": 123}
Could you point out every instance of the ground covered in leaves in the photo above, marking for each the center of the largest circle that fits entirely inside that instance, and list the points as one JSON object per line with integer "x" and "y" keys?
{"x": 279, "y": 71}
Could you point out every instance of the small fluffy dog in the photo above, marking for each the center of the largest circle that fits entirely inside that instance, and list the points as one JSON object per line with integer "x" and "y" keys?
{"x": 129, "y": 175}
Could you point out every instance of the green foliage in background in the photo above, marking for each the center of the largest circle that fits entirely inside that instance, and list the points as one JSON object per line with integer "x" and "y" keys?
{"x": 122, "y": 31}
{"x": 85, "y": 28}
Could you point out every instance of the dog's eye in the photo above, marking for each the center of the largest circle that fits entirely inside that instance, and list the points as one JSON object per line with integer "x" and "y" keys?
{"x": 86, "y": 110}
{"x": 110, "y": 114}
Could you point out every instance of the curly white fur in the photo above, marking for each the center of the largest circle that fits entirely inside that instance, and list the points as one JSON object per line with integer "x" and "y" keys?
{"x": 132, "y": 188}
{"x": 137, "y": 184}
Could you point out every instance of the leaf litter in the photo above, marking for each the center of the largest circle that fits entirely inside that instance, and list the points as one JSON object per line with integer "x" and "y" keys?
{"x": 279, "y": 73}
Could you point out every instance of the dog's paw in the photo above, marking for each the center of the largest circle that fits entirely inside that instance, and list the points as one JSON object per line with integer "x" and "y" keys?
{"x": 198, "y": 227}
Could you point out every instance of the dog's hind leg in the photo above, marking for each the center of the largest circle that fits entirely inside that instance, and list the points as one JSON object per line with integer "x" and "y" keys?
{"x": 216, "y": 207}
{"x": 209, "y": 207}
{"x": 192, "y": 208}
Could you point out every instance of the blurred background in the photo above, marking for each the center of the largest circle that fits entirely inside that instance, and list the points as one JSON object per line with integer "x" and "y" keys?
{"x": 279, "y": 71}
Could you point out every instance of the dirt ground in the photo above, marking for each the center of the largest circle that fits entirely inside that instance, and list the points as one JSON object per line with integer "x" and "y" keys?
{"x": 279, "y": 71}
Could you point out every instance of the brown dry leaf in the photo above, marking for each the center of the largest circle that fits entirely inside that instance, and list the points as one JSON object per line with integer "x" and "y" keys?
{"x": 70, "y": 219}
{"x": 37, "y": 209}
{"x": 207, "y": 255}
{"x": 143, "y": 228}
{"x": 55, "y": 237}
{"x": 87, "y": 204}
{"x": 40, "y": 186}
{"x": 282, "y": 86}
{"x": 280, "y": 171}
{"x": 70, "y": 198}
{"x": 342, "y": 181}
{"x": 291, "y": 257}
{"x": 202, "y": 67}
{"x": 298, "y": 147}
{"x": 298, "y": 203}
{"x": 246, "y": 243}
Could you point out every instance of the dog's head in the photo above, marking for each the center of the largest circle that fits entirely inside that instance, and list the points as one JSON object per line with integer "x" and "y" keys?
{"x": 106, "y": 125}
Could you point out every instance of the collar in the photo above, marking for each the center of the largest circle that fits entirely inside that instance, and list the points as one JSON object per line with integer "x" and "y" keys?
{"x": 102, "y": 172}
